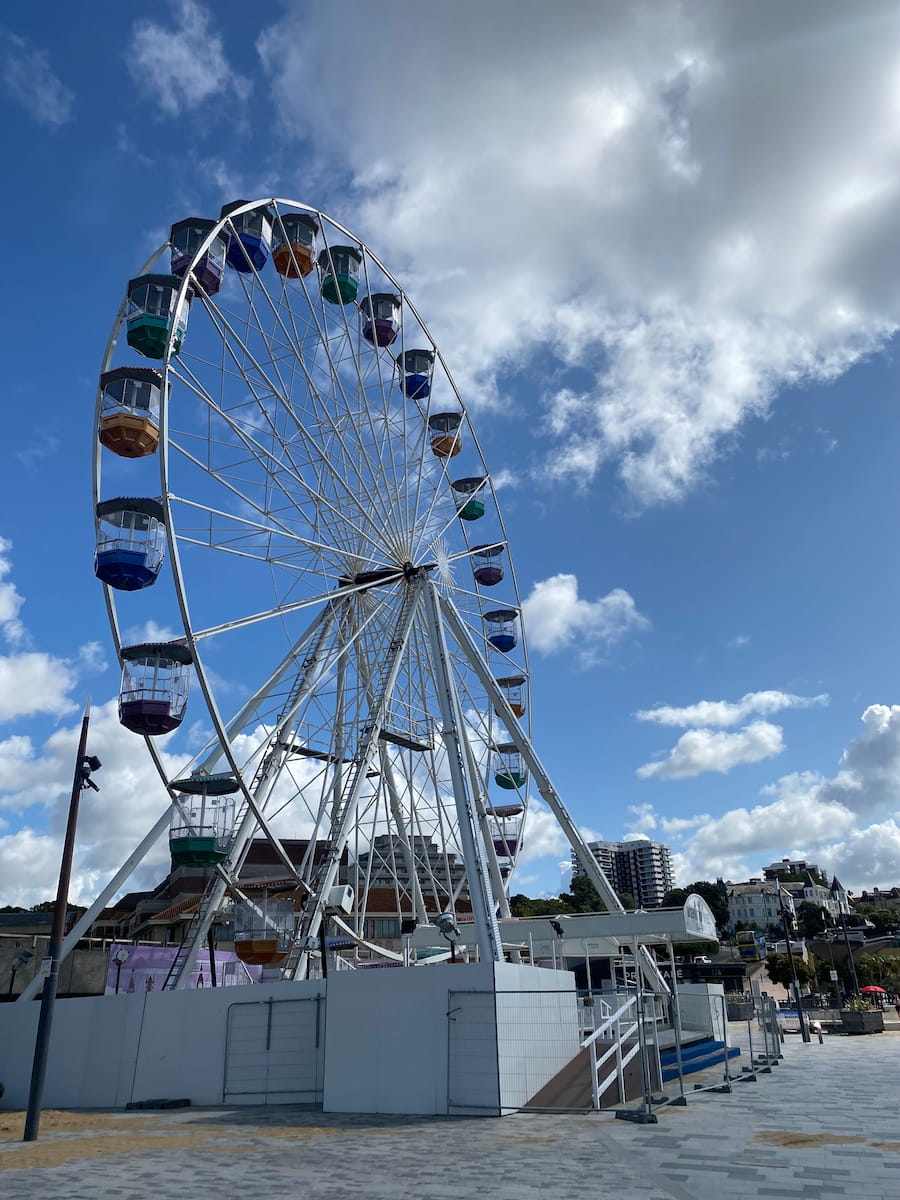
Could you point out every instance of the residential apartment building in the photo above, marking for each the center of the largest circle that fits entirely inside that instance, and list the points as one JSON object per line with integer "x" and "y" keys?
{"x": 640, "y": 867}
{"x": 790, "y": 866}
{"x": 833, "y": 899}
{"x": 758, "y": 903}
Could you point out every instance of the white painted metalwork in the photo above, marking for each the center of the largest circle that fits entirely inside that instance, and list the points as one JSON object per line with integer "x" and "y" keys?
{"x": 297, "y": 471}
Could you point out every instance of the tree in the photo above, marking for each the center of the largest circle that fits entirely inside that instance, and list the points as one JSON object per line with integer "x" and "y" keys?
{"x": 811, "y": 919}
{"x": 882, "y": 918}
{"x": 778, "y": 967}
{"x": 711, "y": 893}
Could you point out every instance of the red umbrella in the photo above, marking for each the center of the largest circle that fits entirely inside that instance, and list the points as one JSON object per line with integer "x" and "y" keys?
{"x": 873, "y": 988}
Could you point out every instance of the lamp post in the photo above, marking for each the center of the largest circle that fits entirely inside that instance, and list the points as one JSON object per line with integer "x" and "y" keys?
{"x": 84, "y": 765}
{"x": 849, "y": 952}
{"x": 19, "y": 959}
{"x": 804, "y": 1028}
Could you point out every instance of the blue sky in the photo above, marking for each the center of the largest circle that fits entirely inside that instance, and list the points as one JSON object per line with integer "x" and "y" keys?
{"x": 659, "y": 251}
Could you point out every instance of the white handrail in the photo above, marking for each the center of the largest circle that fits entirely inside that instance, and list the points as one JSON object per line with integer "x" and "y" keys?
{"x": 609, "y": 1022}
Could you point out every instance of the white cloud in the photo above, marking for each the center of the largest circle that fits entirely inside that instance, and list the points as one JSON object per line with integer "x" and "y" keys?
{"x": 181, "y": 68}
{"x": 10, "y": 599}
{"x": 707, "y": 750}
{"x": 812, "y": 816}
{"x": 542, "y": 835}
{"x": 652, "y": 193}
{"x": 30, "y": 81}
{"x": 725, "y": 712}
{"x": 642, "y": 819}
{"x": 35, "y": 784}
{"x": 556, "y": 617}
{"x": 739, "y": 641}
{"x": 34, "y": 682}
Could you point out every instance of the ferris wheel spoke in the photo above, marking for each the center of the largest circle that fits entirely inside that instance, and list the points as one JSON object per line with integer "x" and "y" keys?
{"x": 275, "y": 473}
{"x": 377, "y": 467}
{"x": 269, "y": 391}
{"x": 298, "y": 358}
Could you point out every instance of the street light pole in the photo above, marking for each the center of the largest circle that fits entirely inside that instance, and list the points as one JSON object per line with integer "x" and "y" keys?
{"x": 83, "y": 767}
{"x": 849, "y": 952}
{"x": 804, "y": 1028}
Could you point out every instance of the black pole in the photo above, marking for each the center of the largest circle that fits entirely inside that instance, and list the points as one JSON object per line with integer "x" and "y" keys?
{"x": 48, "y": 996}
{"x": 849, "y": 952}
{"x": 804, "y": 1028}
{"x": 211, "y": 947}
{"x": 323, "y": 949}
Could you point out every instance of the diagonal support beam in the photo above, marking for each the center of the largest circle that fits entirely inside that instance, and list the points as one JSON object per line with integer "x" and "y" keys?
{"x": 490, "y": 948}
{"x": 544, "y": 784}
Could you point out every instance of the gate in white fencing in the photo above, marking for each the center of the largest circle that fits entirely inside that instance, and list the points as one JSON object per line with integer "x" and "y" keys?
{"x": 275, "y": 1052}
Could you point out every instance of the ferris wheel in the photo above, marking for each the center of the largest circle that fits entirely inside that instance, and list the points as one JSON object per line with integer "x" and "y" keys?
{"x": 306, "y": 568}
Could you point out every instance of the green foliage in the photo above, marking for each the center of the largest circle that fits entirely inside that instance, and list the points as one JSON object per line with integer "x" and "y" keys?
{"x": 857, "y": 1004}
{"x": 811, "y": 919}
{"x": 778, "y": 967}
{"x": 711, "y": 893}
{"x": 882, "y": 918}
{"x": 882, "y": 969}
{"x": 582, "y": 897}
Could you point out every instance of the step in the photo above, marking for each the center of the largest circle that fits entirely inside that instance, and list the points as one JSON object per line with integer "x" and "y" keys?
{"x": 691, "y": 1050}
{"x": 692, "y": 1065}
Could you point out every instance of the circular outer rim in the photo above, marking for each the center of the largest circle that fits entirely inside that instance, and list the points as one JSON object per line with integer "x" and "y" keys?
{"x": 185, "y": 288}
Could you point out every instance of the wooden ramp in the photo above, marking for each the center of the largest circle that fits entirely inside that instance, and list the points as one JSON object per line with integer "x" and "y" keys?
{"x": 570, "y": 1088}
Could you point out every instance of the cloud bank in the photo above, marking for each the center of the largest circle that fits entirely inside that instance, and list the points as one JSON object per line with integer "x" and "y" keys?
{"x": 654, "y": 195}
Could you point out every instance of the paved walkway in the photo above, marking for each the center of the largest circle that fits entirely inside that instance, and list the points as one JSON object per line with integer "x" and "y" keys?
{"x": 825, "y": 1124}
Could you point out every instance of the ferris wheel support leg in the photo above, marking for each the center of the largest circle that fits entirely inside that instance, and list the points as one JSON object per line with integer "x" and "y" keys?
{"x": 544, "y": 784}
{"x": 486, "y": 928}
{"x": 356, "y": 779}
{"x": 387, "y": 772}
{"x": 269, "y": 772}
{"x": 475, "y": 784}
{"x": 87, "y": 918}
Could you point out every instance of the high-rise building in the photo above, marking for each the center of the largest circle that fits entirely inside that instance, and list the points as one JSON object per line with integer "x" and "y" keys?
{"x": 639, "y": 867}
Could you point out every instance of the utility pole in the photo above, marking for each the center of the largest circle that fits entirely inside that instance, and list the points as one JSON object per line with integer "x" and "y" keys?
{"x": 849, "y": 952}
{"x": 84, "y": 764}
{"x": 804, "y": 1027}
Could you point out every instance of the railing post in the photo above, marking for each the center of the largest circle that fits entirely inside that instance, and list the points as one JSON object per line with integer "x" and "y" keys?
{"x": 595, "y": 1082}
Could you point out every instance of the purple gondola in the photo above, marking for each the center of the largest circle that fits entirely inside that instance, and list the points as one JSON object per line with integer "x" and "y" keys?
{"x": 381, "y": 312}
{"x": 153, "y": 695}
{"x": 185, "y": 239}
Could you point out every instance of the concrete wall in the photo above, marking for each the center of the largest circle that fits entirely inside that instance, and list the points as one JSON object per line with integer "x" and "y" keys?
{"x": 108, "y": 1050}
{"x": 387, "y": 1036}
{"x": 83, "y": 972}
{"x": 395, "y": 1041}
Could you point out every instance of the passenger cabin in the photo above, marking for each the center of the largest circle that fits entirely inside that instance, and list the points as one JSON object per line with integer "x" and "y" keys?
{"x": 513, "y": 688}
{"x": 129, "y": 411}
{"x": 185, "y": 239}
{"x": 469, "y": 504}
{"x": 340, "y": 273}
{"x": 294, "y": 244}
{"x": 153, "y": 314}
{"x": 264, "y": 930}
{"x": 201, "y": 830}
{"x": 416, "y": 370}
{"x": 381, "y": 318}
{"x": 501, "y": 628}
{"x": 443, "y": 429}
{"x": 250, "y": 237}
{"x": 486, "y": 566}
{"x": 509, "y": 771}
{"x": 131, "y": 542}
{"x": 154, "y": 690}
